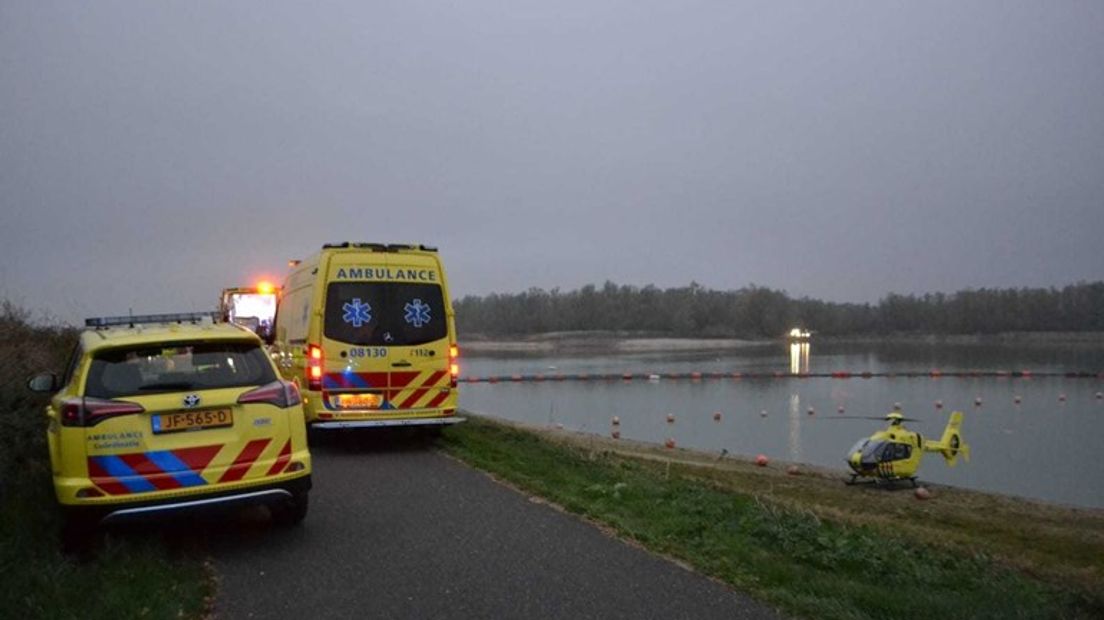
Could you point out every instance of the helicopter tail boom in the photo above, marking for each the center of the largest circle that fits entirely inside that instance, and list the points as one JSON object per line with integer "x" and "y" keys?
{"x": 951, "y": 444}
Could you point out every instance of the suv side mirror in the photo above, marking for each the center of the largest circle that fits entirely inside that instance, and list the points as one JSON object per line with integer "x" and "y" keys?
{"x": 43, "y": 382}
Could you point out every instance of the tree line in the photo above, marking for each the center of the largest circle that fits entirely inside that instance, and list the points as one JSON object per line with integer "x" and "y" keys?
{"x": 760, "y": 312}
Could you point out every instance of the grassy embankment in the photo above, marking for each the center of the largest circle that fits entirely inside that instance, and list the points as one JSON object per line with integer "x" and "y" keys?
{"x": 808, "y": 544}
{"x": 134, "y": 577}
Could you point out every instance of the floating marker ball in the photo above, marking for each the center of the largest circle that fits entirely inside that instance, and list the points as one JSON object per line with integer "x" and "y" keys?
{"x": 616, "y": 421}
{"x": 922, "y": 493}
{"x": 1062, "y": 397}
{"x": 762, "y": 460}
{"x": 763, "y": 413}
{"x": 896, "y": 406}
{"x": 938, "y": 404}
{"x": 670, "y": 443}
{"x": 1100, "y": 396}
{"x": 977, "y": 401}
{"x": 716, "y": 416}
{"x": 793, "y": 470}
{"x": 811, "y": 411}
{"x": 616, "y": 434}
{"x": 839, "y": 409}
{"x": 670, "y": 418}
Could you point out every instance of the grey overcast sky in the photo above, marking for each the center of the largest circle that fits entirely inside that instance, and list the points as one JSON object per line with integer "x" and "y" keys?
{"x": 152, "y": 153}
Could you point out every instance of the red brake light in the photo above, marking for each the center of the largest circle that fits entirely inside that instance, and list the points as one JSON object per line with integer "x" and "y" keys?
{"x": 90, "y": 411}
{"x": 283, "y": 394}
{"x": 314, "y": 367}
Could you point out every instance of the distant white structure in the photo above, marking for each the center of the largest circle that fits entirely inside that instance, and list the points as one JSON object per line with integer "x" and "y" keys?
{"x": 799, "y": 334}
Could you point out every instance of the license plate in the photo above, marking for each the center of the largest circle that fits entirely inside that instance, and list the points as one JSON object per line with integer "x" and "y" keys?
{"x": 356, "y": 401}
{"x": 192, "y": 420}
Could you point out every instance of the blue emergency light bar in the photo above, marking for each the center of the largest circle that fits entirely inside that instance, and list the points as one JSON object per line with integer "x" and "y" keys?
{"x": 142, "y": 319}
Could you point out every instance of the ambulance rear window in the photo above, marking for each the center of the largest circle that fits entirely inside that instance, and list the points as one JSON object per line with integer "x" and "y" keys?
{"x": 177, "y": 367}
{"x": 385, "y": 313}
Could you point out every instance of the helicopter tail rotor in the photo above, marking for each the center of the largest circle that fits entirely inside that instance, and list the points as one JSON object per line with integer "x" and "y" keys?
{"x": 951, "y": 445}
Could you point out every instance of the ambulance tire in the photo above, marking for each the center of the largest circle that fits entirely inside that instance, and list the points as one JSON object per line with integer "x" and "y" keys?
{"x": 290, "y": 512}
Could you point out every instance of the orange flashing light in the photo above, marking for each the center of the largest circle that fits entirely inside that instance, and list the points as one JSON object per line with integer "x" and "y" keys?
{"x": 265, "y": 287}
{"x": 314, "y": 367}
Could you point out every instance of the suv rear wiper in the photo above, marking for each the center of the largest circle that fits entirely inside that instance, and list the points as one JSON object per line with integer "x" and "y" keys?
{"x": 167, "y": 386}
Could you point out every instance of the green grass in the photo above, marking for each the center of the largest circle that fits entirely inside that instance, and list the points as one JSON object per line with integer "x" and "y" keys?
{"x": 805, "y": 564}
{"x": 130, "y": 576}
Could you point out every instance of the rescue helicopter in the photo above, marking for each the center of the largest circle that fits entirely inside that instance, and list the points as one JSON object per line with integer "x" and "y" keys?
{"x": 894, "y": 453}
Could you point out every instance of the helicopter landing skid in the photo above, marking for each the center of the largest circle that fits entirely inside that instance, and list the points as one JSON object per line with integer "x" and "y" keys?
{"x": 889, "y": 483}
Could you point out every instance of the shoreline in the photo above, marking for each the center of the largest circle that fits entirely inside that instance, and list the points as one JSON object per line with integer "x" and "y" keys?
{"x": 695, "y": 508}
{"x": 743, "y": 462}
{"x": 611, "y": 343}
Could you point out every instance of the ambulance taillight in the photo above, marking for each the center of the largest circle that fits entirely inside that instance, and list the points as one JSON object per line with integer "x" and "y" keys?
{"x": 454, "y": 364}
{"x": 89, "y": 411}
{"x": 314, "y": 368}
{"x": 283, "y": 394}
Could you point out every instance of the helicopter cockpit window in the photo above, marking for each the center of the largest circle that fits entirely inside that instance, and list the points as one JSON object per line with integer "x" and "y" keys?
{"x": 886, "y": 451}
{"x": 858, "y": 446}
{"x": 872, "y": 452}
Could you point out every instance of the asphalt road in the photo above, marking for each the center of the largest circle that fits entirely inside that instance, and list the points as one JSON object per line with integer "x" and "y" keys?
{"x": 399, "y": 530}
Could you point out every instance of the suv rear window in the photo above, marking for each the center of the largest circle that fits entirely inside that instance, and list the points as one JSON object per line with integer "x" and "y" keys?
{"x": 175, "y": 367}
{"x": 385, "y": 313}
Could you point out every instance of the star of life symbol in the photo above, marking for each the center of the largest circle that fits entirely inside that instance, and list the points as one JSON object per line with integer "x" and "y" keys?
{"x": 417, "y": 313}
{"x": 357, "y": 313}
{"x": 191, "y": 400}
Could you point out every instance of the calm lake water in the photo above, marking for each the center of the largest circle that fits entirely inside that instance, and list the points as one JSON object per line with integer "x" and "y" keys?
{"x": 1043, "y": 447}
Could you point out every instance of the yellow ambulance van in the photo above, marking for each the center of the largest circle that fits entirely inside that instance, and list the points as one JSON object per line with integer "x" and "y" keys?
{"x": 366, "y": 331}
{"x": 172, "y": 414}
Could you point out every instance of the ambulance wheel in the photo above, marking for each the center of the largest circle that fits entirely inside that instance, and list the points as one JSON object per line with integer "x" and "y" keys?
{"x": 290, "y": 512}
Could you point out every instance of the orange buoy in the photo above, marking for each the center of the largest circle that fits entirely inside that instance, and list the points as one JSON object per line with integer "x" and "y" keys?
{"x": 670, "y": 443}
{"x": 716, "y": 416}
{"x": 762, "y": 460}
{"x": 616, "y": 434}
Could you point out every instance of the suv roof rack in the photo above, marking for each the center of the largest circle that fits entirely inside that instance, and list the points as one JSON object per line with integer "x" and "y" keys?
{"x": 142, "y": 319}
{"x": 378, "y": 247}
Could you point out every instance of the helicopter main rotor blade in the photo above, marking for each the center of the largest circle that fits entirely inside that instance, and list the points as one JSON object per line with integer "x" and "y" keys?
{"x": 868, "y": 417}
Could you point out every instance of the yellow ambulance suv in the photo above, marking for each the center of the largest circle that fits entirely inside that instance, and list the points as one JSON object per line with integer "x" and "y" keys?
{"x": 165, "y": 414}
{"x": 366, "y": 330}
